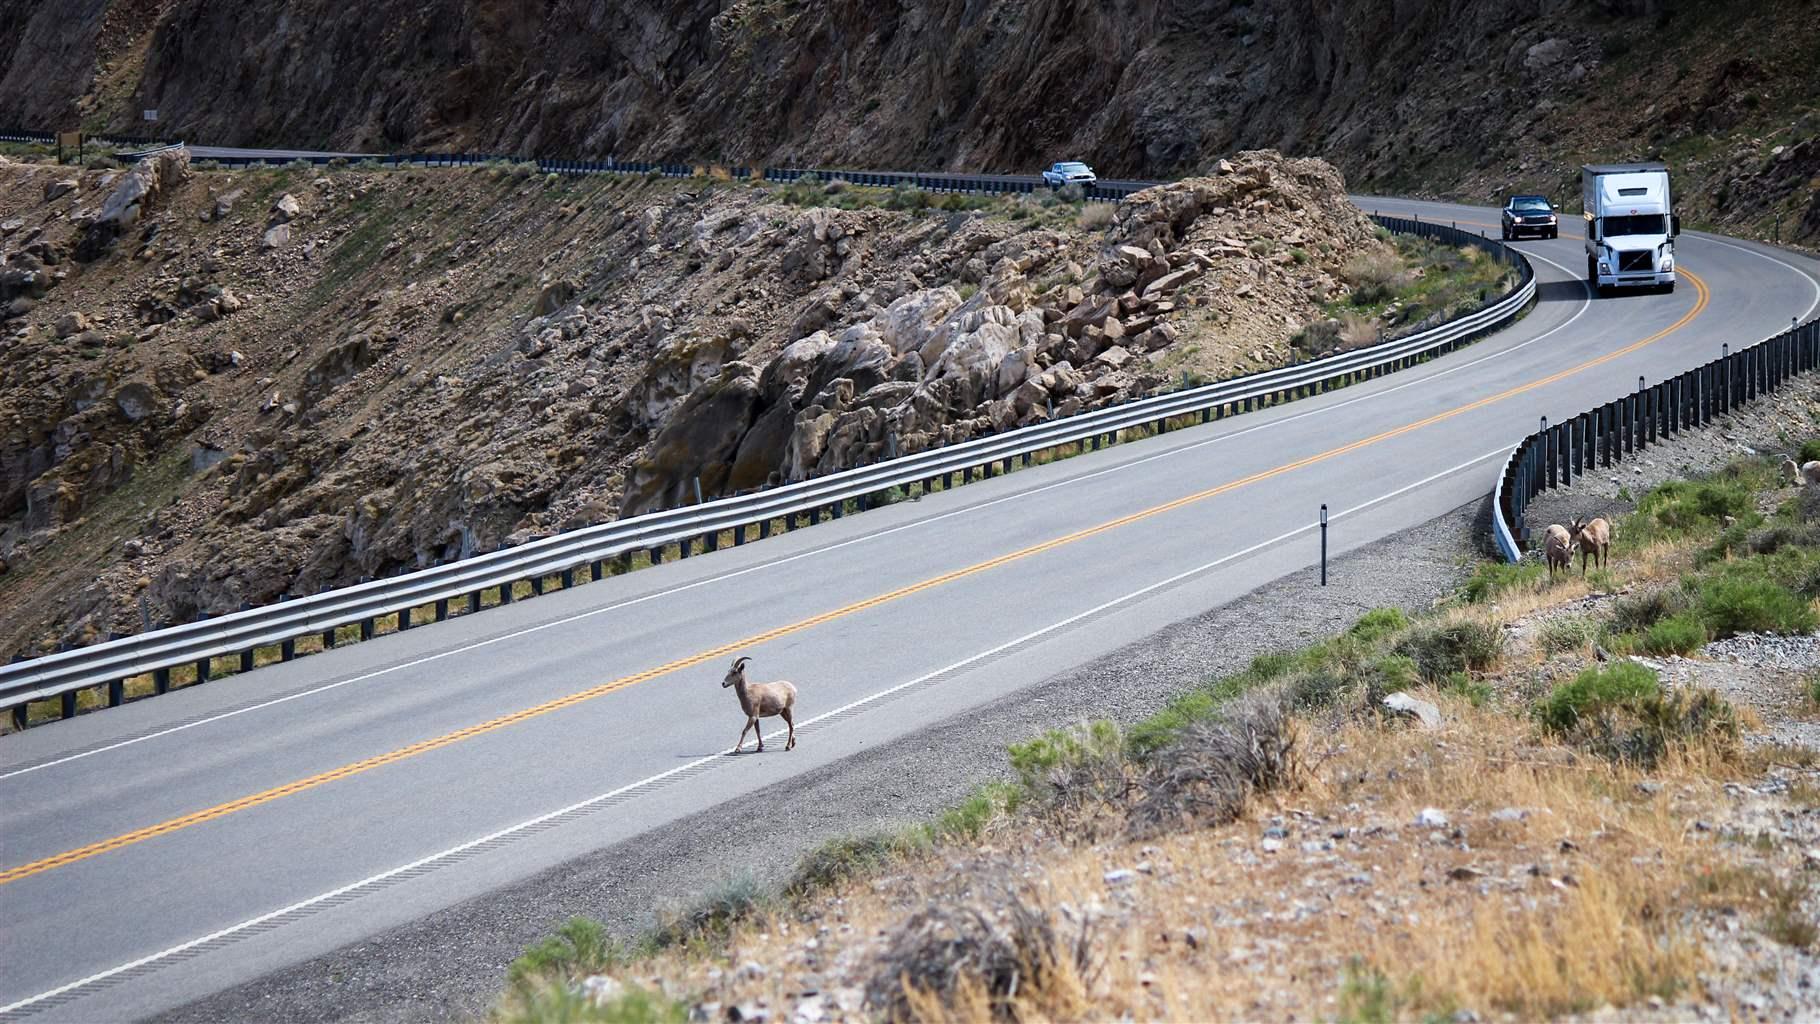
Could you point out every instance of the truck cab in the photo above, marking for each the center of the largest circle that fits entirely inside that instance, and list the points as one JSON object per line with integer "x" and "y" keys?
{"x": 1630, "y": 226}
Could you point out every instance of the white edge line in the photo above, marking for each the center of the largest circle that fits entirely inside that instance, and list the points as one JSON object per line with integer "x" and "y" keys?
{"x": 1797, "y": 271}
{"x": 1586, "y": 304}
{"x": 642, "y": 783}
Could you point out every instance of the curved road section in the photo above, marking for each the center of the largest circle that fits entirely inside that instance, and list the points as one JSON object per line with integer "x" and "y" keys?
{"x": 173, "y": 848}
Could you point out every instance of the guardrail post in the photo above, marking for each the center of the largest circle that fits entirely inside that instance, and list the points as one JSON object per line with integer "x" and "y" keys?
{"x": 404, "y": 619}
{"x": 116, "y": 688}
{"x": 1725, "y": 378}
{"x": 247, "y": 656}
{"x": 764, "y": 529}
{"x": 1548, "y": 453}
{"x": 22, "y": 713}
{"x": 66, "y": 701}
{"x": 442, "y": 609}
{"x": 202, "y": 664}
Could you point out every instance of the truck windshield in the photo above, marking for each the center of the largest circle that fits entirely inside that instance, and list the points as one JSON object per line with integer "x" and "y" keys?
{"x": 1637, "y": 224}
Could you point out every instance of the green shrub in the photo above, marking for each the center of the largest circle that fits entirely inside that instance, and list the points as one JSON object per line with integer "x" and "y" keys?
{"x": 1810, "y": 451}
{"x": 1678, "y": 634}
{"x": 1460, "y": 684}
{"x": 1441, "y": 650}
{"x": 1597, "y": 687}
{"x": 1380, "y": 624}
{"x": 1558, "y": 636}
{"x": 1682, "y": 507}
{"x": 579, "y": 948}
{"x": 1492, "y": 579}
{"x": 1746, "y": 602}
{"x": 1036, "y": 759}
{"x": 1637, "y": 612}
{"x": 1620, "y": 712}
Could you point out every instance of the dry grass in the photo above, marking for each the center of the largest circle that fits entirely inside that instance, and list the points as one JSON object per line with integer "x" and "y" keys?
{"x": 1581, "y": 899}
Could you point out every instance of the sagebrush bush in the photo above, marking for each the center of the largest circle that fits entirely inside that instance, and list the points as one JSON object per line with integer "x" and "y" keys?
{"x": 579, "y": 948}
{"x": 1682, "y": 633}
{"x": 1747, "y": 601}
{"x": 1574, "y": 633}
{"x": 713, "y": 914}
{"x": 1594, "y": 688}
{"x": 1374, "y": 277}
{"x": 1810, "y": 451}
{"x": 1441, "y": 650}
{"x": 1380, "y": 624}
{"x": 1635, "y": 613}
{"x": 1096, "y": 215}
{"x": 1620, "y": 712}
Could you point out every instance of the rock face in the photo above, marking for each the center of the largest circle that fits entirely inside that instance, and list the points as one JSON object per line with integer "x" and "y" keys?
{"x": 931, "y": 368}
{"x": 398, "y": 385}
{"x": 138, "y": 189}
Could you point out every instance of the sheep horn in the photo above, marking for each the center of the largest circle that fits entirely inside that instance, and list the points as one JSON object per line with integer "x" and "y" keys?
{"x": 740, "y": 663}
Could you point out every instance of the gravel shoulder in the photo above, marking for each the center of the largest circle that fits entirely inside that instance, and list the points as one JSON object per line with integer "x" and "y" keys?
{"x": 451, "y": 964}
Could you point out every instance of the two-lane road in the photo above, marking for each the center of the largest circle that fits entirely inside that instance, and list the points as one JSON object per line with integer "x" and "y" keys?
{"x": 159, "y": 852}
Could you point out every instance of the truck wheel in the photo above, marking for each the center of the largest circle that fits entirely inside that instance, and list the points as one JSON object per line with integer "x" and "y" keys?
{"x": 1554, "y": 232}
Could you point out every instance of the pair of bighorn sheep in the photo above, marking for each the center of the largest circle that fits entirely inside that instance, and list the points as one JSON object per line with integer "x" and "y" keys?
{"x": 761, "y": 700}
{"x": 1796, "y": 475}
{"x": 1592, "y": 539}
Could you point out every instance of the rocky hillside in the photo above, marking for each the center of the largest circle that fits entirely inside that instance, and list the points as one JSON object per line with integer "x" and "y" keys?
{"x": 224, "y": 387}
{"x": 1464, "y": 96}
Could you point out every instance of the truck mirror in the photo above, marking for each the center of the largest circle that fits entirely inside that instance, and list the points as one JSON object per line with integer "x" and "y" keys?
{"x": 1674, "y": 224}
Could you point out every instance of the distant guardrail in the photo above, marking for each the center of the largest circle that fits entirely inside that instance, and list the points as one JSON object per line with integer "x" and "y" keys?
{"x": 582, "y": 554}
{"x": 1554, "y": 455}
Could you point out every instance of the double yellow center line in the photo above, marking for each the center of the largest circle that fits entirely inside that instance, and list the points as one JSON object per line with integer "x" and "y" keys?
{"x": 222, "y": 810}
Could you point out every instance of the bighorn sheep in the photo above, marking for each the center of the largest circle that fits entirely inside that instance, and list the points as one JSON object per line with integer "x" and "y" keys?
{"x": 1558, "y": 549}
{"x": 761, "y": 700}
{"x": 1811, "y": 473}
{"x": 1593, "y": 539}
{"x": 1791, "y": 472}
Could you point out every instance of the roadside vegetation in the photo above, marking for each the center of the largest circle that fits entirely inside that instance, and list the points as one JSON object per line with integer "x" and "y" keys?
{"x": 1411, "y": 286}
{"x": 1266, "y": 844}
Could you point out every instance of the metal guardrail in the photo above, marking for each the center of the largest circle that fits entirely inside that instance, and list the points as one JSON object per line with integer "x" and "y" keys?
{"x": 1552, "y": 456}
{"x": 107, "y": 665}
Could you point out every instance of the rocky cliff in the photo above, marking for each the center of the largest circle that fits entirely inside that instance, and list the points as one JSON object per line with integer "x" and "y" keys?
{"x": 222, "y": 387}
{"x": 1459, "y": 96}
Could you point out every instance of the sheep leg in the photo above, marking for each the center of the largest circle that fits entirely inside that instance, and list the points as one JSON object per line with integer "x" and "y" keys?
{"x": 741, "y": 745}
{"x": 791, "y": 722}
{"x": 758, "y": 730}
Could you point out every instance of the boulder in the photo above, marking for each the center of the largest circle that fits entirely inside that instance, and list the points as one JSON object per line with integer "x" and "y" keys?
{"x": 909, "y": 323}
{"x": 73, "y": 323}
{"x": 55, "y": 190}
{"x": 11, "y": 226}
{"x": 1404, "y": 705}
{"x": 276, "y": 237}
{"x": 1013, "y": 371}
{"x": 975, "y": 358}
{"x": 1115, "y": 358}
{"x": 135, "y": 401}
{"x": 1171, "y": 281}
{"x": 285, "y": 210}
{"x": 138, "y": 189}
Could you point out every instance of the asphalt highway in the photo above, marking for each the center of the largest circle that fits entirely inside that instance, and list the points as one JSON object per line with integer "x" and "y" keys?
{"x": 153, "y": 854}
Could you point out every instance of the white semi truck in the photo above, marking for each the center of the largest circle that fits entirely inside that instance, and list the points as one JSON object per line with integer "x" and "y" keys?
{"x": 1630, "y": 226}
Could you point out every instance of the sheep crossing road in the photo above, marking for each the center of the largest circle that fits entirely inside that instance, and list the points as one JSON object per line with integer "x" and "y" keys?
{"x": 166, "y": 850}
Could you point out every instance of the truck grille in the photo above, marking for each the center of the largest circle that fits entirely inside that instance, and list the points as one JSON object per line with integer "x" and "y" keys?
{"x": 1640, "y": 260}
